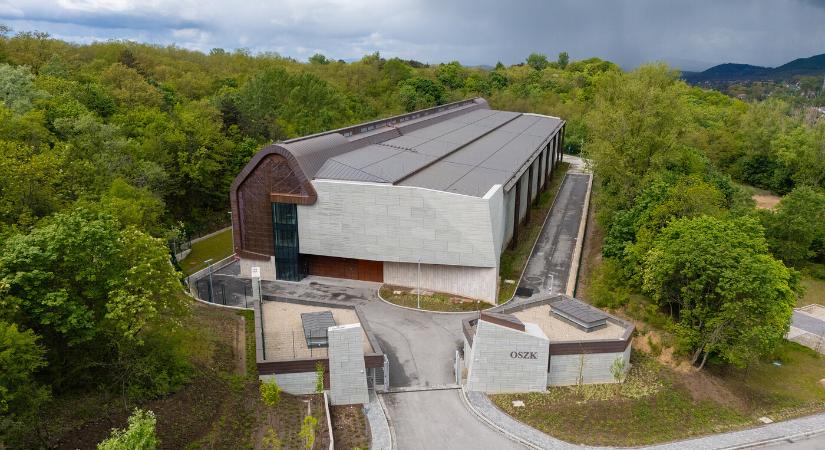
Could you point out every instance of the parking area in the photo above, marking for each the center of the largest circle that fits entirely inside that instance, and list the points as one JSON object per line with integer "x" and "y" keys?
{"x": 808, "y": 327}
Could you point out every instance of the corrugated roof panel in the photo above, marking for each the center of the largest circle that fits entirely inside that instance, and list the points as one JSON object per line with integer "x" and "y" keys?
{"x": 464, "y": 134}
{"x": 363, "y": 157}
{"x": 438, "y": 176}
{"x": 437, "y": 148}
{"x": 478, "y": 151}
{"x": 394, "y": 168}
{"x": 542, "y": 127}
{"x": 476, "y": 115}
{"x": 478, "y": 181}
{"x": 333, "y": 170}
{"x": 520, "y": 124}
{"x": 514, "y": 154}
{"x": 405, "y": 141}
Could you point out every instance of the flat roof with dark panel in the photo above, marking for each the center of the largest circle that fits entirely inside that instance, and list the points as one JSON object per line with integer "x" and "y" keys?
{"x": 579, "y": 314}
{"x": 315, "y": 327}
{"x": 465, "y": 149}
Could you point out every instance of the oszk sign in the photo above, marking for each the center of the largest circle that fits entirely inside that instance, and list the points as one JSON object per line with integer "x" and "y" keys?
{"x": 523, "y": 355}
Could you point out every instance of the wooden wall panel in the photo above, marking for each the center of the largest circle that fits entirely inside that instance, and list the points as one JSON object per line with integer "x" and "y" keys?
{"x": 349, "y": 268}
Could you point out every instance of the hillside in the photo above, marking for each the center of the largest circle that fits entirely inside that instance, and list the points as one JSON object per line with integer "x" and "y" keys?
{"x": 815, "y": 65}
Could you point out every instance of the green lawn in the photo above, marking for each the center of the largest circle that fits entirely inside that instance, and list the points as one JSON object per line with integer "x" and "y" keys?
{"x": 658, "y": 404}
{"x": 215, "y": 248}
{"x": 814, "y": 291}
{"x": 514, "y": 260}
{"x": 437, "y": 301}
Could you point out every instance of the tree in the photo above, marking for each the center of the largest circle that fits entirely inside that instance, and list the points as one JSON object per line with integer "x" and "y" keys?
{"x": 96, "y": 293}
{"x": 636, "y": 127}
{"x": 537, "y": 61}
{"x": 563, "y": 60}
{"x": 734, "y": 300}
{"x": 129, "y": 88}
{"x": 270, "y": 393}
{"x": 138, "y": 435}
{"x": 307, "y": 431}
{"x": 21, "y": 396}
{"x": 797, "y": 225}
{"x": 451, "y": 75}
{"x": 318, "y": 59}
{"x": 17, "y": 89}
{"x": 418, "y": 93}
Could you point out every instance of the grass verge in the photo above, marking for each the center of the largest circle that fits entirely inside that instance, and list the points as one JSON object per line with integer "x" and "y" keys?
{"x": 431, "y": 301}
{"x": 215, "y": 248}
{"x": 814, "y": 291}
{"x": 513, "y": 260}
{"x": 659, "y": 404}
{"x": 349, "y": 427}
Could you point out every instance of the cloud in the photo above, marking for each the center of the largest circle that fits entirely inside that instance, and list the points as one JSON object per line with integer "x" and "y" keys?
{"x": 691, "y": 33}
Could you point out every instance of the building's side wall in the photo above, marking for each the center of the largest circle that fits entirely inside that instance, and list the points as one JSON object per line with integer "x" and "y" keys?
{"x": 473, "y": 282}
{"x": 492, "y": 368}
{"x": 534, "y": 191}
{"x": 510, "y": 202}
{"x": 294, "y": 383}
{"x": 267, "y": 267}
{"x": 382, "y": 222}
{"x": 592, "y": 368}
{"x": 523, "y": 204}
{"x": 347, "y": 372}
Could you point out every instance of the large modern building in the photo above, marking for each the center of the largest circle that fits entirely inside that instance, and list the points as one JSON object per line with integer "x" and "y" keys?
{"x": 445, "y": 188}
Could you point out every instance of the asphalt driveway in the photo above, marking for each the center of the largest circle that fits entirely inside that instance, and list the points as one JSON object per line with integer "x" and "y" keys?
{"x": 549, "y": 265}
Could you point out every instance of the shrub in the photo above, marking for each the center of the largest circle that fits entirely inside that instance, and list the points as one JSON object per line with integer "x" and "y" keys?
{"x": 319, "y": 377}
{"x": 270, "y": 393}
{"x": 308, "y": 431}
{"x": 139, "y": 435}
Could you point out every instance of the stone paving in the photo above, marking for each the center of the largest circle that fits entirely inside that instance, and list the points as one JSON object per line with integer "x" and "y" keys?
{"x": 379, "y": 428}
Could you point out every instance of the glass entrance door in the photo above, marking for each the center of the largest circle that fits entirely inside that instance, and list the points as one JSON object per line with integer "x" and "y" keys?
{"x": 285, "y": 228}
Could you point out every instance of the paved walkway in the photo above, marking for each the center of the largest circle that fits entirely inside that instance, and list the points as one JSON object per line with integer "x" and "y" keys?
{"x": 782, "y": 433}
{"x": 379, "y": 428}
{"x": 548, "y": 268}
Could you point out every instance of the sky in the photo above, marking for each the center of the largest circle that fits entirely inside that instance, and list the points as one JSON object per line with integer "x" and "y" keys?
{"x": 691, "y": 35}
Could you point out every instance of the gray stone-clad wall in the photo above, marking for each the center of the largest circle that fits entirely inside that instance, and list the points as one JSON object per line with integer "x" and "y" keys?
{"x": 593, "y": 368}
{"x": 494, "y": 363}
{"x": 382, "y": 222}
{"x": 294, "y": 383}
{"x": 347, "y": 373}
{"x": 474, "y": 282}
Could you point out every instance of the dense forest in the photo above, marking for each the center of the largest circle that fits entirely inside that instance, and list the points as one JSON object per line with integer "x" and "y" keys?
{"x": 110, "y": 150}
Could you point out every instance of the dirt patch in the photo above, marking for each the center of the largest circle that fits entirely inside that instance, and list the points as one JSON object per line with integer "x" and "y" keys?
{"x": 431, "y": 301}
{"x": 766, "y": 201}
{"x": 705, "y": 387}
{"x": 591, "y": 255}
{"x": 349, "y": 427}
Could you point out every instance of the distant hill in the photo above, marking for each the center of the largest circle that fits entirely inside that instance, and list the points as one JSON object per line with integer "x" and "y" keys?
{"x": 815, "y": 65}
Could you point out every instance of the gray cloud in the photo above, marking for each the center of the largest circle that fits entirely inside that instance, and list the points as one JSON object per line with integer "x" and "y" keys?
{"x": 688, "y": 34}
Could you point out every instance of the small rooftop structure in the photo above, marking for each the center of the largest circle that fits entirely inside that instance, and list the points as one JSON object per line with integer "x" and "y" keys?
{"x": 579, "y": 314}
{"x": 315, "y": 327}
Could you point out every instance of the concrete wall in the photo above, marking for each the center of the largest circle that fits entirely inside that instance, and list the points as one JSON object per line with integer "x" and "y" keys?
{"x": 347, "y": 373}
{"x": 492, "y": 367}
{"x": 586, "y": 369}
{"x": 383, "y": 222}
{"x": 267, "y": 268}
{"x": 294, "y": 383}
{"x": 474, "y": 282}
{"x": 510, "y": 207}
{"x": 523, "y": 200}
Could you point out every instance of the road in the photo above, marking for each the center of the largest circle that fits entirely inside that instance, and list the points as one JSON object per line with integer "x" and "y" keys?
{"x": 438, "y": 419}
{"x": 549, "y": 265}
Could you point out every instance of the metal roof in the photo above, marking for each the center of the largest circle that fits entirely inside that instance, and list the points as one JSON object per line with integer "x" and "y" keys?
{"x": 579, "y": 313}
{"x": 464, "y": 148}
{"x": 315, "y": 327}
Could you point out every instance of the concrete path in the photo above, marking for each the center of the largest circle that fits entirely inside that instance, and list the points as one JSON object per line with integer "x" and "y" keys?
{"x": 438, "y": 419}
{"x": 808, "y": 323}
{"x": 549, "y": 266}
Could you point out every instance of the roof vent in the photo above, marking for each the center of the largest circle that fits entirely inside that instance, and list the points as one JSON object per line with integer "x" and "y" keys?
{"x": 579, "y": 314}
{"x": 315, "y": 327}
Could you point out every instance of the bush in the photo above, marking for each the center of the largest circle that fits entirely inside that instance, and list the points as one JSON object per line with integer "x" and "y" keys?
{"x": 609, "y": 289}
{"x": 139, "y": 435}
{"x": 270, "y": 393}
{"x": 308, "y": 431}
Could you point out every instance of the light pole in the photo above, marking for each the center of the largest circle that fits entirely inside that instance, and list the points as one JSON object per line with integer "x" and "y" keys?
{"x": 207, "y": 262}
{"x": 418, "y": 289}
